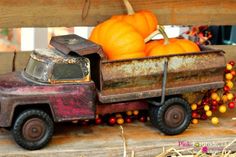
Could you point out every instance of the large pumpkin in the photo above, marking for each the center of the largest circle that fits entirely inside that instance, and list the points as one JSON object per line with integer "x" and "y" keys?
{"x": 118, "y": 39}
{"x": 145, "y": 22}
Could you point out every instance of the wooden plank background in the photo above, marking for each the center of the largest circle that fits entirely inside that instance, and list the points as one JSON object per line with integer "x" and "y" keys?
{"x": 45, "y": 13}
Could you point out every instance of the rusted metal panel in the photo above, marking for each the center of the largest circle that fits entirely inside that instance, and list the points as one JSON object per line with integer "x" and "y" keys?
{"x": 144, "y": 93}
{"x": 142, "y": 78}
{"x": 67, "y": 101}
{"x": 74, "y": 102}
{"x": 77, "y": 44}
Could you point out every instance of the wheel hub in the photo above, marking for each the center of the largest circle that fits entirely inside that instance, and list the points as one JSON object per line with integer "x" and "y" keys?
{"x": 174, "y": 116}
{"x": 33, "y": 129}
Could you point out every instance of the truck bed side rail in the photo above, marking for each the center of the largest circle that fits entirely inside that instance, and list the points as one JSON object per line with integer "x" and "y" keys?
{"x": 142, "y": 78}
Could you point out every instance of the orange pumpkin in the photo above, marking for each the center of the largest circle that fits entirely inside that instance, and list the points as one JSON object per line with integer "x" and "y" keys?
{"x": 150, "y": 45}
{"x": 118, "y": 39}
{"x": 168, "y": 46}
{"x": 145, "y": 22}
{"x": 173, "y": 46}
{"x": 188, "y": 45}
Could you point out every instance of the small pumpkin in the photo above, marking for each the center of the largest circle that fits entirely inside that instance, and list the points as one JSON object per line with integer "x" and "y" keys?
{"x": 145, "y": 22}
{"x": 175, "y": 46}
{"x": 161, "y": 49}
{"x": 170, "y": 46}
{"x": 188, "y": 45}
{"x": 118, "y": 39}
{"x": 150, "y": 45}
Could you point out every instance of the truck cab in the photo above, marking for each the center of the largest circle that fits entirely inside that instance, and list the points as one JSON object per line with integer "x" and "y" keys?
{"x": 54, "y": 87}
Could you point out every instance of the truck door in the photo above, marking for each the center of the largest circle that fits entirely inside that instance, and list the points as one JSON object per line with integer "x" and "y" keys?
{"x": 76, "y": 93}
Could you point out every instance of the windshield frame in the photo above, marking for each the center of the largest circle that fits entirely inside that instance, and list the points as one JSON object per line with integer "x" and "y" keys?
{"x": 85, "y": 78}
{"x": 49, "y": 71}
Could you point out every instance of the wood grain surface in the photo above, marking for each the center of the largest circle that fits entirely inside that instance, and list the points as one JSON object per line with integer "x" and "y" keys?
{"x": 71, "y": 140}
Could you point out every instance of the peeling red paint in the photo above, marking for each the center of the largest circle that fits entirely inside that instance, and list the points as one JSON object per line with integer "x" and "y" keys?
{"x": 79, "y": 103}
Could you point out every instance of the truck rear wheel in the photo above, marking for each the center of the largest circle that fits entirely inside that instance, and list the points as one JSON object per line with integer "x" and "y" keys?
{"x": 33, "y": 129}
{"x": 173, "y": 117}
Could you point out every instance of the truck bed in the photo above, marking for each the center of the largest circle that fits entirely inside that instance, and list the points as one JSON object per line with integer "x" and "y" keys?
{"x": 141, "y": 78}
{"x": 136, "y": 79}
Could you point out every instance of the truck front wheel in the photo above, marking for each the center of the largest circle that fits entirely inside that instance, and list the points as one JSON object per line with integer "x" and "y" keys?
{"x": 33, "y": 129}
{"x": 173, "y": 117}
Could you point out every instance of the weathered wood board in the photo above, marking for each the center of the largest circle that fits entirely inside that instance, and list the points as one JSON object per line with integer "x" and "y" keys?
{"x": 71, "y": 140}
{"x": 6, "y": 60}
{"x": 45, "y": 13}
{"x": 229, "y": 49}
{"x": 21, "y": 60}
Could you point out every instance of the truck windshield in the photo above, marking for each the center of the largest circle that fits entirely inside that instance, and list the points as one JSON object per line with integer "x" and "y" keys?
{"x": 37, "y": 70}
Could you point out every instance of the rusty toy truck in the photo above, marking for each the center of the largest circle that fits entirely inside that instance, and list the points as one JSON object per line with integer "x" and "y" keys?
{"x": 75, "y": 81}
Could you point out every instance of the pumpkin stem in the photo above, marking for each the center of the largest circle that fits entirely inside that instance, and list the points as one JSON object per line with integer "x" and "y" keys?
{"x": 163, "y": 33}
{"x": 129, "y": 7}
{"x": 160, "y": 30}
{"x": 153, "y": 34}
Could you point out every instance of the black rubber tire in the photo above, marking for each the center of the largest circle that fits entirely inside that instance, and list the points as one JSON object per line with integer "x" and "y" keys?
{"x": 159, "y": 114}
{"x": 25, "y": 116}
{"x": 152, "y": 110}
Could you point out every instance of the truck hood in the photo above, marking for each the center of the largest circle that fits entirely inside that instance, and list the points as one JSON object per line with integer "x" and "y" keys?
{"x": 14, "y": 84}
{"x": 12, "y": 80}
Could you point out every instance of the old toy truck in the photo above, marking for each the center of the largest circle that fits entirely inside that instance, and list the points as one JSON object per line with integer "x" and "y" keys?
{"x": 74, "y": 81}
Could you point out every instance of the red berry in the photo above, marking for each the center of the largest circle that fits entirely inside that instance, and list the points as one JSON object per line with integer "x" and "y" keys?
{"x": 98, "y": 120}
{"x": 204, "y": 103}
{"x": 203, "y": 116}
{"x": 227, "y": 71}
{"x": 226, "y": 88}
{"x": 195, "y": 115}
{"x": 208, "y": 100}
{"x": 143, "y": 118}
{"x": 112, "y": 121}
{"x": 232, "y": 63}
{"x": 233, "y": 72}
{"x": 128, "y": 120}
{"x": 214, "y": 108}
{"x": 231, "y": 105}
{"x": 214, "y": 102}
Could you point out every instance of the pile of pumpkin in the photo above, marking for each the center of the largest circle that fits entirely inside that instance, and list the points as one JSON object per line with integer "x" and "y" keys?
{"x": 129, "y": 36}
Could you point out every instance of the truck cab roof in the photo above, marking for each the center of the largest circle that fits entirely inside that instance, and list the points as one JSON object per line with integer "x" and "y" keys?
{"x": 70, "y": 44}
{"x": 52, "y": 55}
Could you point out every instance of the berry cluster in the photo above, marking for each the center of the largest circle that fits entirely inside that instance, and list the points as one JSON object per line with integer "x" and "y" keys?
{"x": 216, "y": 100}
{"x": 119, "y": 118}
